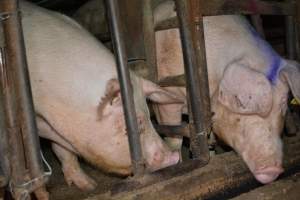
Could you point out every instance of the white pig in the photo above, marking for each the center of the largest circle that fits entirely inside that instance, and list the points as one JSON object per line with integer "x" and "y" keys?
{"x": 248, "y": 83}
{"x": 77, "y": 99}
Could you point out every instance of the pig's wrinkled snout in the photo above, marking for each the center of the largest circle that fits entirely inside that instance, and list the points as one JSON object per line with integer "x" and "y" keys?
{"x": 160, "y": 160}
{"x": 268, "y": 175}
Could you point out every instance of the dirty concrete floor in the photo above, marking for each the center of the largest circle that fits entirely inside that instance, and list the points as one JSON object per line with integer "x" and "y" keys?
{"x": 58, "y": 188}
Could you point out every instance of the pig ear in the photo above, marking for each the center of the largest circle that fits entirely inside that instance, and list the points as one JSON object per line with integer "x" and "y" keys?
{"x": 111, "y": 97}
{"x": 245, "y": 91}
{"x": 159, "y": 95}
{"x": 291, "y": 73}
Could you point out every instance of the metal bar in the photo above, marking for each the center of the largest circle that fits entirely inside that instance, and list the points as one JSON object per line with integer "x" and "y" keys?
{"x": 223, "y": 7}
{"x": 131, "y": 13}
{"x": 290, "y": 37}
{"x": 17, "y": 68}
{"x": 125, "y": 86}
{"x": 18, "y": 171}
{"x": 4, "y": 147}
{"x": 149, "y": 40}
{"x": 198, "y": 136}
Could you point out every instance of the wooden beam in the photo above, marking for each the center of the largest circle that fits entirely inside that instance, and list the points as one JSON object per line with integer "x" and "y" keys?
{"x": 224, "y": 173}
{"x": 286, "y": 189}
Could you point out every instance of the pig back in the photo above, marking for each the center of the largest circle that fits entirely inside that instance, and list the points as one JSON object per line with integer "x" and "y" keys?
{"x": 64, "y": 59}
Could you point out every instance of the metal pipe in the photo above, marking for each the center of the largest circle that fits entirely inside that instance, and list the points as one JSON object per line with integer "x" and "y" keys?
{"x": 149, "y": 40}
{"x": 198, "y": 96}
{"x": 24, "y": 113}
{"x": 125, "y": 86}
{"x": 290, "y": 37}
{"x": 4, "y": 147}
{"x": 18, "y": 171}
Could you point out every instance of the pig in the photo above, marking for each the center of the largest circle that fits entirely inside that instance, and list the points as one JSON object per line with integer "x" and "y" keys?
{"x": 77, "y": 99}
{"x": 248, "y": 86}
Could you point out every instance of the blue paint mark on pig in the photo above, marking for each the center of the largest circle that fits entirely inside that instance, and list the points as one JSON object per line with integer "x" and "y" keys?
{"x": 275, "y": 61}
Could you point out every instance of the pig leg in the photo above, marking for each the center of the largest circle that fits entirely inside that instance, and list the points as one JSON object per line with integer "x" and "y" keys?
{"x": 66, "y": 154}
{"x": 71, "y": 169}
{"x": 48, "y": 132}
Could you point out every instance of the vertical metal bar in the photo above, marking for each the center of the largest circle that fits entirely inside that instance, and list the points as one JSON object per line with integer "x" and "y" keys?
{"x": 125, "y": 86}
{"x": 290, "y": 37}
{"x": 16, "y": 150}
{"x": 24, "y": 115}
{"x": 149, "y": 40}
{"x": 4, "y": 148}
{"x": 257, "y": 23}
{"x": 198, "y": 90}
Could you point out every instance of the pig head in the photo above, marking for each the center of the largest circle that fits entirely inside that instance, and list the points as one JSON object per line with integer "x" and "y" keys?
{"x": 248, "y": 83}
{"x": 249, "y": 114}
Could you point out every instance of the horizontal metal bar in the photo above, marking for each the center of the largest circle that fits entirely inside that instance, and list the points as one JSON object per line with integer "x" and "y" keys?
{"x": 224, "y": 7}
{"x": 230, "y": 7}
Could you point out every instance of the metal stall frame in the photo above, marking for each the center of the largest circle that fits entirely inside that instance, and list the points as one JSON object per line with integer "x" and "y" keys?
{"x": 125, "y": 87}
{"x": 26, "y": 170}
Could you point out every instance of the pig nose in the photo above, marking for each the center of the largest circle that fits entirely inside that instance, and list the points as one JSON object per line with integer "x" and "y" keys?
{"x": 268, "y": 174}
{"x": 169, "y": 159}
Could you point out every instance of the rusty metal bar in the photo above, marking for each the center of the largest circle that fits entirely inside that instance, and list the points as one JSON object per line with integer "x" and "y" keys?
{"x": 223, "y": 7}
{"x": 198, "y": 98}
{"x": 21, "y": 110}
{"x": 131, "y": 15}
{"x": 149, "y": 40}
{"x": 125, "y": 85}
{"x": 4, "y": 148}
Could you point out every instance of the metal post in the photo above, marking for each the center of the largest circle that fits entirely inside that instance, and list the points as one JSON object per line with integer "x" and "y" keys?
{"x": 192, "y": 38}
{"x": 21, "y": 107}
{"x": 4, "y": 147}
{"x": 149, "y": 40}
{"x": 125, "y": 86}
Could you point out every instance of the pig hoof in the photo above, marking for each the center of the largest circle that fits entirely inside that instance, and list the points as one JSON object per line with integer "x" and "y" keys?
{"x": 81, "y": 180}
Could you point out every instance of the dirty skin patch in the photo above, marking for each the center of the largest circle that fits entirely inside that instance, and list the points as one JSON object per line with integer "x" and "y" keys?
{"x": 274, "y": 59}
{"x": 112, "y": 90}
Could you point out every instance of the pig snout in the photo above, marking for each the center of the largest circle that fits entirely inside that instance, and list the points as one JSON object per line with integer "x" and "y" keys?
{"x": 268, "y": 174}
{"x": 161, "y": 160}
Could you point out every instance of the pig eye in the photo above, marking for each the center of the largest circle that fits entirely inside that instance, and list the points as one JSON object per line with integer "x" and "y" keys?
{"x": 115, "y": 100}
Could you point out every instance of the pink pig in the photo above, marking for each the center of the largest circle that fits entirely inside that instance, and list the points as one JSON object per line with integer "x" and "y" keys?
{"x": 248, "y": 83}
{"x": 77, "y": 99}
